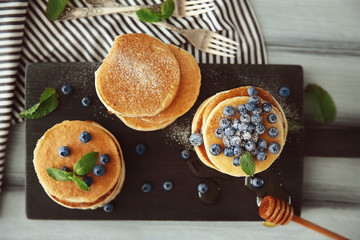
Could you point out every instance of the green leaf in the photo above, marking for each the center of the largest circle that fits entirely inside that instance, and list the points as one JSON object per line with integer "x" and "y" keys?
{"x": 49, "y": 101}
{"x": 46, "y": 94}
{"x": 54, "y": 8}
{"x": 247, "y": 163}
{"x": 86, "y": 163}
{"x": 148, "y": 15}
{"x": 167, "y": 9}
{"x": 59, "y": 175}
{"x": 322, "y": 102}
{"x": 80, "y": 183}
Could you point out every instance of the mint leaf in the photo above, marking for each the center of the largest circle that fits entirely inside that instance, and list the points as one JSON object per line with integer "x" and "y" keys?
{"x": 28, "y": 113}
{"x": 167, "y": 9}
{"x": 59, "y": 175}
{"x": 325, "y": 110}
{"x": 247, "y": 163}
{"x": 46, "y": 94}
{"x": 86, "y": 163}
{"x": 80, "y": 183}
{"x": 148, "y": 15}
{"x": 54, "y": 8}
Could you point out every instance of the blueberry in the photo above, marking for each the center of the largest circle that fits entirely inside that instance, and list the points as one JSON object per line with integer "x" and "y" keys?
{"x": 226, "y": 141}
{"x": 66, "y": 89}
{"x": 104, "y": 158}
{"x": 140, "y": 148}
{"x": 219, "y": 133}
{"x": 86, "y": 101}
{"x": 252, "y": 91}
{"x": 251, "y": 128}
{"x": 185, "y": 154}
{"x": 167, "y": 185}
{"x": 272, "y": 118}
{"x": 254, "y": 152}
{"x": 224, "y": 123}
{"x": 243, "y": 126}
{"x": 66, "y": 169}
{"x": 229, "y": 111}
{"x": 249, "y": 146}
{"x": 215, "y": 149}
{"x": 196, "y": 139}
{"x": 235, "y": 141}
{"x": 274, "y": 148}
{"x": 236, "y": 161}
{"x": 242, "y": 109}
{"x": 256, "y": 119}
{"x": 203, "y": 188}
{"x": 257, "y": 182}
{"x": 266, "y": 107}
{"x": 235, "y": 123}
{"x": 230, "y": 131}
{"x": 260, "y": 129}
{"x": 146, "y": 187}
{"x": 238, "y": 151}
{"x": 88, "y": 180}
{"x": 284, "y": 92}
{"x": 261, "y": 156}
{"x": 99, "y": 170}
{"x": 109, "y": 207}
{"x": 273, "y": 132}
{"x": 254, "y": 137}
{"x": 64, "y": 151}
{"x": 229, "y": 152}
{"x": 245, "y": 118}
{"x": 250, "y": 106}
{"x": 257, "y": 111}
{"x": 245, "y": 135}
{"x": 84, "y": 137}
{"x": 256, "y": 100}
{"x": 262, "y": 144}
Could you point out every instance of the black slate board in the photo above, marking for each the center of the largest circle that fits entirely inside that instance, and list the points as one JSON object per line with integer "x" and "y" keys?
{"x": 162, "y": 161}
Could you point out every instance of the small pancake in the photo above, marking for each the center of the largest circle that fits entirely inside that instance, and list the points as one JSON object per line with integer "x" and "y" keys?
{"x": 104, "y": 188}
{"x": 139, "y": 77}
{"x": 141, "y": 125}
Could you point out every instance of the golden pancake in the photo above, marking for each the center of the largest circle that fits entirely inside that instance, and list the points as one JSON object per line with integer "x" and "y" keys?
{"x": 141, "y": 125}
{"x": 140, "y": 76}
{"x": 104, "y": 188}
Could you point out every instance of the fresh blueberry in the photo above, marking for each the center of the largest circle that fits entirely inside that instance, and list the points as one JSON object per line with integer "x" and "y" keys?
{"x": 272, "y": 118}
{"x": 274, "y": 148}
{"x": 256, "y": 100}
{"x": 66, "y": 169}
{"x": 109, "y": 207}
{"x": 236, "y": 161}
{"x": 224, "y": 123}
{"x": 245, "y": 135}
{"x": 140, "y": 148}
{"x": 235, "y": 141}
{"x": 219, "y": 133}
{"x": 66, "y": 89}
{"x": 242, "y": 109}
{"x": 196, "y": 139}
{"x": 262, "y": 144}
{"x": 252, "y": 91}
{"x": 230, "y": 131}
{"x": 284, "y": 92}
{"x": 251, "y": 128}
{"x": 229, "y": 111}
{"x": 185, "y": 154}
{"x": 226, "y": 141}
{"x": 261, "y": 156}
{"x": 84, "y": 137}
{"x": 254, "y": 137}
{"x": 229, "y": 152}
{"x": 260, "y": 129}
{"x": 86, "y": 101}
{"x": 64, "y": 151}
{"x": 250, "y": 106}
{"x": 273, "y": 132}
{"x": 254, "y": 152}
{"x": 88, "y": 180}
{"x": 235, "y": 123}
{"x": 146, "y": 187}
{"x": 99, "y": 170}
{"x": 238, "y": 151}
{"x": 203, "y": 188}
{"x": 167, "y": 185}
{"x": 256, "y": 119}
{"x": 249, "y": 146}
{"x": 257, "y": 111}
{"x": 243, "y": 126}
{"x": 245, "y": 118}
{"x": 257, "y": 182}
{"x": 266, "y": 107}
{"x": 104, "y": 159}
{"x": 215, "y": 149}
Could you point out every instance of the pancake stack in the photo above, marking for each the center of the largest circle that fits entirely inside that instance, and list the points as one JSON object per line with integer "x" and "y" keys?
{"x": 255, "y": 127}
{"x": 146, "y": 83}
{"x": 66, "y": 193}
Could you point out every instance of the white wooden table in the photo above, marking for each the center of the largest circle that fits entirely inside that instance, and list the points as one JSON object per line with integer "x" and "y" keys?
{"x": 321, "y": 35}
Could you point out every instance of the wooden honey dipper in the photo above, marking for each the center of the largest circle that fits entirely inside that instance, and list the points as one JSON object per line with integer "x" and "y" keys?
{"x": 279, "y": 212}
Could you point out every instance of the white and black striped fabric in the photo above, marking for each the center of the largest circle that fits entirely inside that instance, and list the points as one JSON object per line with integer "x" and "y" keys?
{"x": 89, "y": 40}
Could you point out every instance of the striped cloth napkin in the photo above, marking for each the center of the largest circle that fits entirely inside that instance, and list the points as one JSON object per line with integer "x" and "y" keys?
{"x": 27, "y": 36}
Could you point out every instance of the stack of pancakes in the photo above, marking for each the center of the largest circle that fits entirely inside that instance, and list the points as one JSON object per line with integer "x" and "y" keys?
{"x": 206, "y": 121}
{"x": 148, "y": 84}
{"x": 104, "y": 188}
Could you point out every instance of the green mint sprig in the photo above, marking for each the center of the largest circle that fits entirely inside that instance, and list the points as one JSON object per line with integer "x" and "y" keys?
{"x": 54, "y": 8}
{"x": 83, "y": 166}
{"x": 165, "y": 11}
{"x": 48, "y": 102}
{"x": 247, "y": 163}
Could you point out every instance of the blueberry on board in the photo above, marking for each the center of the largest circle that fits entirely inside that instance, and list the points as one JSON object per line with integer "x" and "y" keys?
{"x": 257, "y": 111}
{"x": 256, "y": 100}
{"x": 252, "y": 91}
{"x": 229, "y": 152}
{"x": 243, "y": 126}
{"x": 109, "y": 207}
{"x": 272, "y": 118}
{"x": 146, "y": 187}
{"x": 274, "y": 148}
{"x": 262, "y": 144}
{"x": 238, "y": 151}
{"x": 260, "y": 129}
{"x": 215, "y": 149}
{"x": 219, "y": 133}
{"x": 85, "y": 137}
{"x": 66, "y": 89}
{"x": 86, "y": 101}
{"x": 226, "y": 141}
{"x": 229, "y": 111}
{"x": 203, "y": 188}
{"x": 229, "y": 131}
{"x": 284, "y": 92}
{"x": 256, "y": 119}
{"x": 257, "y": 182}
{"x": 235, "y": 141}
{"x": 242, "y": 109}
{"x": 88, "y": 180}
{"x": 261, "y": 156}
{"x": 236, "y": 161}
{"x": 273, "y": 132}
{"x": 245, "y": 135}
{"x": 245, "y": 118}
{"x": 196, "y": 139}
{"x": 140, "y": 148}
{"x": 249, "y": 146}
{"x": 99, "y": 170}
{"x": 250, "y": 106}
{"x": 266, "y": 107}
{"x": 64, "y": 151}
{"x": 224, "y": 123}
{"x": 66, "y": 169}
{"x": 167, "y": 185}
{"x": 104, "y": 158}
{"x": 185, "y": 154}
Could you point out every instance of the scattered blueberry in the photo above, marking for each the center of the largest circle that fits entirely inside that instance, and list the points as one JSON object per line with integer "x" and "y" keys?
{"x": 104, "y": 158}
{"x": 260, "y": 129}
{"x": 85, "y": 101}
{"x": 219, "y": 133}
{"x": 236, "y": 161}
{"x": 243, "y": 126}
{"x": 249, "y": 146}
{"x": 229, "y": 131}
{"x": 146, "y": 187}
{"x": 229, "y": 152}
{"x": 257, "y": 111}
{"x": 235, "y": 141}
{"x": 224, "y": 123}
{"x": 64, "y": 151}
{"x": 238, "y": 151}
{"x": 140, "y": 148}
{"x": 261, "y": 156}
{"x": 266, "y": 107}
{"x": 99, "y": 170}
{"x": 256, "y": 119}
{"x": 245, "y": 135}
{"x": 272, "y": 118}
{"x": 284, "y": 92}
{"x": 255, "y": 99}
{"x": 66, "y": 169}
{"x": 215, "y": 149}
{"x": 66, "y": 89}
{"x": 242, "y": 109}
{"x": 274, "y": 148}
{"x": 273, "y": 132}
{"x": 245, "y": 118}
{"x": 88, "y": 180}
{"x": 252, "y": 91}
{"x": 84, "y": 137}
{"x": 257, "y": 182}
{"x": 185, "y": 154}
{"x": 229, "y": 111}
{"x": 262, "y": 144}
{"x": 109, "y": 207}
{"x": 167, "y": 185}
{"x": 203, "y": 188}
{"x": 226, "y": 141}
{"x": 250, "y": 106}
{"x": 235, "y": 123}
